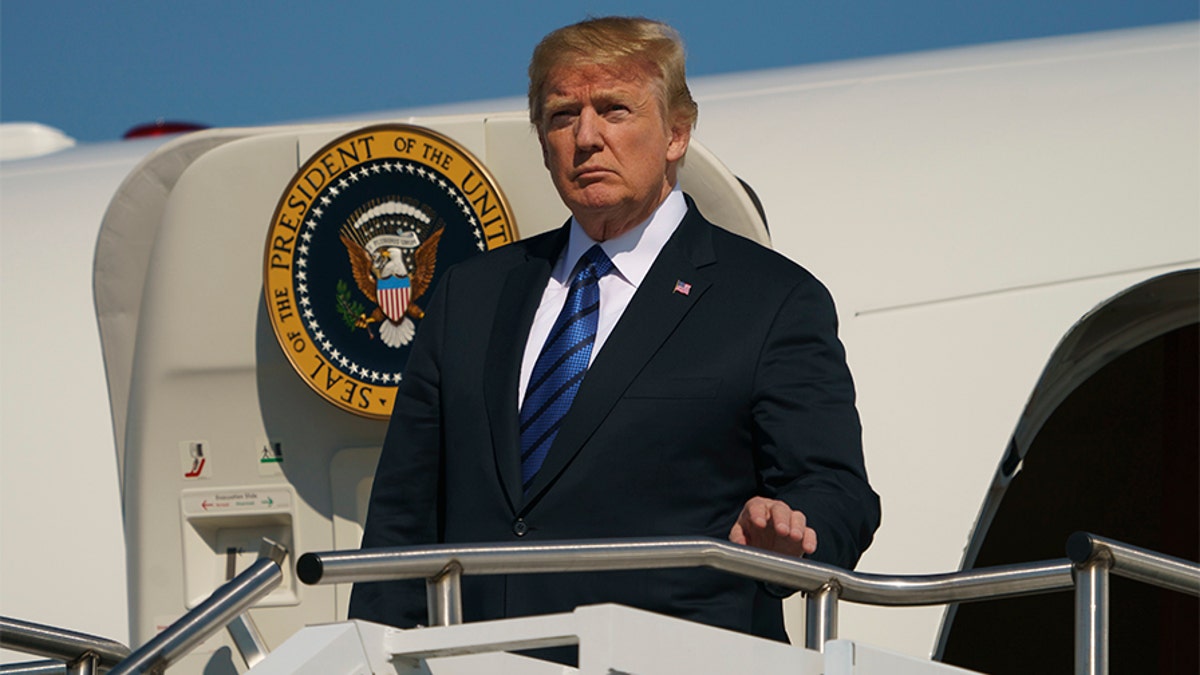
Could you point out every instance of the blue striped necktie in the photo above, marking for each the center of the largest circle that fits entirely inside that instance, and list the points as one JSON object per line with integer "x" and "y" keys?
{"x": 561, "y": 365}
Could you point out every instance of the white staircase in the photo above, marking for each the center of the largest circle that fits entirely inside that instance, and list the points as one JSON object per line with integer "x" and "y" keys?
{"x": 612, "y": 640}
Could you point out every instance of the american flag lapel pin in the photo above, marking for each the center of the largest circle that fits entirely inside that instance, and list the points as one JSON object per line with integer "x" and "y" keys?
{"x": 683, "y": 288}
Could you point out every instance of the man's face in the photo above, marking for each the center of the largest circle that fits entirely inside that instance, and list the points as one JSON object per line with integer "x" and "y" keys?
{"x": 609, "y": 149}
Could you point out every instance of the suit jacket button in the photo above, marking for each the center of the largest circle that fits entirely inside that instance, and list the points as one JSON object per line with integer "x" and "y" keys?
{"x": 520, "y": 528}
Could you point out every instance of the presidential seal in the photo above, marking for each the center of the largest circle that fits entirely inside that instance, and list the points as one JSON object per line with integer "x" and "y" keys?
{"x": 357, "y": 244}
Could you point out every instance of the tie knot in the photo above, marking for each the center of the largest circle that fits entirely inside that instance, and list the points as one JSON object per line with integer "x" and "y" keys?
{"x": 594, "y": 264}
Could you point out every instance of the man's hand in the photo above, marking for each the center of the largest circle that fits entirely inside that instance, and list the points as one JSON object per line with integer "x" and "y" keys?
{"x": 772, "y": 525}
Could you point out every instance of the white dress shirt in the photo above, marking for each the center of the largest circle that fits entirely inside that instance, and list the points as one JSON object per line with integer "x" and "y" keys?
{"x": 632, "y": 254}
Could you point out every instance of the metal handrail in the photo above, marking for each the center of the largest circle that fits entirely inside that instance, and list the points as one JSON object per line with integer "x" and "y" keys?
{"x": 1095, "y": 559}
{"x": 1091, "y": 558}
{"x": 210, "y": 616}
{"x": 72, "y": 652}
{"x": 443, "y": 566}
{"x": 383, "y": 564}
{"x": 1135, "y": 563}
{"x": 64, "y": 646}
{"x": 35, "y": 668}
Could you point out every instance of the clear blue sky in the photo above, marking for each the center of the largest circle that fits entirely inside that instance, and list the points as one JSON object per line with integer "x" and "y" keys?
{"x": 95, "y": 69}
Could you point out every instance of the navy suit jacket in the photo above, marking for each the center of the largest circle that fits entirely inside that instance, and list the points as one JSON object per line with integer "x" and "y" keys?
{"x": 697, "y": 402}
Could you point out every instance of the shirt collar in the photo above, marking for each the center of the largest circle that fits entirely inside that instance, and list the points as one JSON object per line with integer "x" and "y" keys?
{"x": 634, "y": 251}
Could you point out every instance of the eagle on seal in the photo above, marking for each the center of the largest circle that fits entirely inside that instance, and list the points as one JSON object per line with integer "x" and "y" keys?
{"x": 383, "y": 276}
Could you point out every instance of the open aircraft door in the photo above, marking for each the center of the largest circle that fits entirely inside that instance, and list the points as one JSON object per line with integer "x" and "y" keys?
{"x": 223, "y": 433}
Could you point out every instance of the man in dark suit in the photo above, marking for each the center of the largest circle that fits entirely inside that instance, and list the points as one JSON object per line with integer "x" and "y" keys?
{"x": 717, "y": 401}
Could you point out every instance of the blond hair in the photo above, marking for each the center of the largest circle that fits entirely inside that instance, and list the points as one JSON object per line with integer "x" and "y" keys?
{"x": 614, "y": 40}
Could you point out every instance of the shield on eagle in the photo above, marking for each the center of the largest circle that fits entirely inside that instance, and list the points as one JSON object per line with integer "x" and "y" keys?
{"x": 393, "y": 294}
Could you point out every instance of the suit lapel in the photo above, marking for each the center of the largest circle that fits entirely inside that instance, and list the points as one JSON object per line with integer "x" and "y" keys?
{"x": 519, "y": 299}
{"x": 652, "y": 315}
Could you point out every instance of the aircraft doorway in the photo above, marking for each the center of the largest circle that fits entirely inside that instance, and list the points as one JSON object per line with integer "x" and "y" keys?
{"x": 1116, "y": 457}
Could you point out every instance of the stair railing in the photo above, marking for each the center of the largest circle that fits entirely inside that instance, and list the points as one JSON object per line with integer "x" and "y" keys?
{"x": 70, "y": 652}
{"x": 225, "y": 605}
{"x": 1091, "y": 560}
